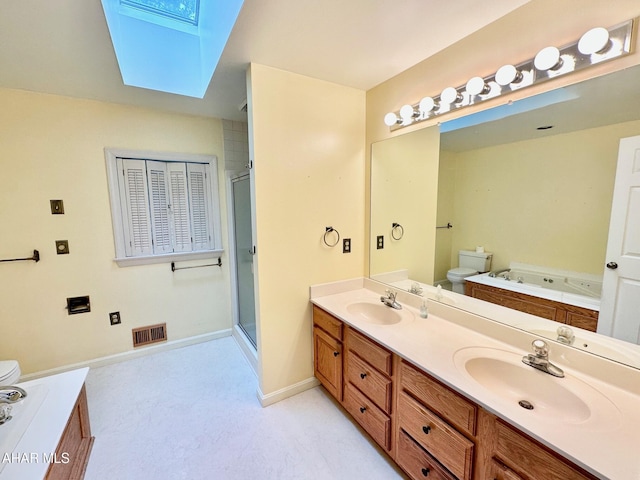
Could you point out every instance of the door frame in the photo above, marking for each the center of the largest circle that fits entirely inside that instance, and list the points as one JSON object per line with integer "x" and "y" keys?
{"x": 245, "y": 344}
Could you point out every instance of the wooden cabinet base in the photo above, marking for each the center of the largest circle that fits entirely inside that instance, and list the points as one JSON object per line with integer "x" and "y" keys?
{"x": 72, "y": 454}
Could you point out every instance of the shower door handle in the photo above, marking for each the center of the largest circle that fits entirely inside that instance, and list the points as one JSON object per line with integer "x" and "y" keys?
{"x": 252, "y": 250}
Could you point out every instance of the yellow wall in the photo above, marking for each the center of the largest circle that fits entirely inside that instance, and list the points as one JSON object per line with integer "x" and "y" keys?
{"x": 51, "y": 147}
{"x": 308, "y": 147}
{"x": 404, "y": 177}
{"x": 543, "y": 202}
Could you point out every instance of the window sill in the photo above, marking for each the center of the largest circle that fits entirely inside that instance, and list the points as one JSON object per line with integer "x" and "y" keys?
{"x": 167, "y": 258}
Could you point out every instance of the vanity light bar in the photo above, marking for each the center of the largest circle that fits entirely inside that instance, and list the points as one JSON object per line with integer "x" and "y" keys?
{"x": 595, "y": 46}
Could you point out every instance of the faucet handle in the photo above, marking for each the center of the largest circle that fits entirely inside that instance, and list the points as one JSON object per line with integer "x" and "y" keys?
{"x": 540, "y": 348}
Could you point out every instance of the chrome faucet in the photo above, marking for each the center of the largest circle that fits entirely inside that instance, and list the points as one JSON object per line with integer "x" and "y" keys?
{"x": 565, "y": 335}
{"x": 539, "y": 359}
{"x": 390, "y": 300}
{"x": 495, "y": 273}
{"x": 8, "y": 396}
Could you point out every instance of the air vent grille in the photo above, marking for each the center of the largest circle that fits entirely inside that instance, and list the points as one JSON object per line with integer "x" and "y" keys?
{"x": 151, "y": 334}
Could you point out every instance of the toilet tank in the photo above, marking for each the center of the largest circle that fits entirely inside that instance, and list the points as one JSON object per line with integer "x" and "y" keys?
{"x": 480, "y": 262}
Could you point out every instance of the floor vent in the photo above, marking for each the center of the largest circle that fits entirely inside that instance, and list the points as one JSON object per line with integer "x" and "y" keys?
{"x": 151, "y": 334}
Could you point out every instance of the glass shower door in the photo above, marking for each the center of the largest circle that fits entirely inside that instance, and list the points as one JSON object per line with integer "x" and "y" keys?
{"x": 244, "y": 256}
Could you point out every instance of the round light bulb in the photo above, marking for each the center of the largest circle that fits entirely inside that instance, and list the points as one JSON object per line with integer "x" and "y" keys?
{"x": 450, "y": 95}
{"x": 548, "y": 59}
{"x": 427, "y": 104}
{"x": 507, "y": 74}
{"x": 390, "y": 119}
{"x": 477, "y": 86}
{"x": 406, "y": 113}
{"x": 594, "y": 41}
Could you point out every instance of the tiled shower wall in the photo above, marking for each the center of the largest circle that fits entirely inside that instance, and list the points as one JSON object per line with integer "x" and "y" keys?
{"x": 236, "y": 145}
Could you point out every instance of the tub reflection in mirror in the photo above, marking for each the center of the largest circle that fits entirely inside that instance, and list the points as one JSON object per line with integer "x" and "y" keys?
{"x": 529, "y": 195}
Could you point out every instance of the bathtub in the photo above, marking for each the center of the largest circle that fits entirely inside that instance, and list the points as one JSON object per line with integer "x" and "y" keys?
{"x": 582, "y": 290}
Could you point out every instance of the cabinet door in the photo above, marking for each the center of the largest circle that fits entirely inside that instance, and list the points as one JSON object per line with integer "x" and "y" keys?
{"x": 501, "y": 472}
{"x": 328, "y": 362}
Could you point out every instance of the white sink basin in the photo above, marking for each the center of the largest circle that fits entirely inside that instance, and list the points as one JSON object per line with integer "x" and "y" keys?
{"x": 377, "y": 313}
{"x": 522, "y": 388}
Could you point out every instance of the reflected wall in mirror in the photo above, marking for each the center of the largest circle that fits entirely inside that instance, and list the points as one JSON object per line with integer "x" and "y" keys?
{"x": 535, "y": 198}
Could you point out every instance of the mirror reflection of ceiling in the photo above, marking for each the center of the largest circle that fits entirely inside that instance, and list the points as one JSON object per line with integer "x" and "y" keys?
{"x": 605, "y": 100}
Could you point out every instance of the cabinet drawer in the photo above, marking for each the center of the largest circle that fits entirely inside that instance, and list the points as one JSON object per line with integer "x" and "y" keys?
{"x": 374, "y": 354}
{"x": 369, "y": 381}
{"x": 371, "y": 418}
{"x": 417, "y": 463}
{"x": 529, "y": 459}
{"x": 454, "y": 408}
{"x": 327, "y": 322}
{"x": 449, "y": 447}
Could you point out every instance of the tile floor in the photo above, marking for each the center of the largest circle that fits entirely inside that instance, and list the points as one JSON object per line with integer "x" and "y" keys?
{"x": 192, "y": 413}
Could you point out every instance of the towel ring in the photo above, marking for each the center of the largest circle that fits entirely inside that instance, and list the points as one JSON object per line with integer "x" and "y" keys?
{"x": 327, "y": 231}
{"x": 395, "y": 228}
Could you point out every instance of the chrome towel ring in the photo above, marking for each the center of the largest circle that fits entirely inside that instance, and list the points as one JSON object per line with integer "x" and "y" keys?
{"x": 397, "y": 232}
{"x": 327, "y": 231}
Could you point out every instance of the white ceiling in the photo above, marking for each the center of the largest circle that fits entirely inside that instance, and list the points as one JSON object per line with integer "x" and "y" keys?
{"x": 63, "y": 46}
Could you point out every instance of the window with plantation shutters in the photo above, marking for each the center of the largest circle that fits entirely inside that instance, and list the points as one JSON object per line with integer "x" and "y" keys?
{"x": 163, "y": 208}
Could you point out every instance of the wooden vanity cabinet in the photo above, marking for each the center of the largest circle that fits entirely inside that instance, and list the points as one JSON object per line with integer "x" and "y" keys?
{"x": 72, "y": 454}
{"x": 508, "y": 454}
{"x": 327, "y": 351}
{"x": 368, "y": 390}
{"x": 427, "y": 428}
{"x": 560, "y": 312}
{"x": 438, "y": 420}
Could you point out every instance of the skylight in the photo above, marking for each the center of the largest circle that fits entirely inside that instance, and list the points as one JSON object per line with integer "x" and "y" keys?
{"x": 170, "y": 45}
{"x": 183, "y": 10}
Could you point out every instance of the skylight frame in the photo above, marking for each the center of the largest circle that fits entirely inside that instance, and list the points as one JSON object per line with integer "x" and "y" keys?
{"x": 137, "y": 5}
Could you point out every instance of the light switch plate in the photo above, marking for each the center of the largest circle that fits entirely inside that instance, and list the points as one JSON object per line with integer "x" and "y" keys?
{"x": 57, "y": 207}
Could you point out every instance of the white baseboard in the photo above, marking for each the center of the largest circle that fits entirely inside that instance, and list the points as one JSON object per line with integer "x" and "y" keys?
{"x": 139, "y": 352}
{"x": 271, "y": 398}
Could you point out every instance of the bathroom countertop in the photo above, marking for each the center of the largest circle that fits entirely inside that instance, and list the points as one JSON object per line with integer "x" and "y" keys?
{"x": 57, "y": 395}
{"x": 605, "y": 446}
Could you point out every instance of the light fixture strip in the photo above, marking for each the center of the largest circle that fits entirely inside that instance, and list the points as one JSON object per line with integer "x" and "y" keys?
{"x": 569, "y": 59}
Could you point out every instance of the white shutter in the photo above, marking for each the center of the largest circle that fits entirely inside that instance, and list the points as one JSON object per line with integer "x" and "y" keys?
{"x": 179, "y": 201}
{"x": 199, "y": 199}
{"x": 159, "y": 201}
{"x": 134, "y": 202}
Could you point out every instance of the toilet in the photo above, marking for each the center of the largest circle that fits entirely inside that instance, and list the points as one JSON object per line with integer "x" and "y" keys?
{"x": 469, "y": 263}
{"x": 9, "y": 372}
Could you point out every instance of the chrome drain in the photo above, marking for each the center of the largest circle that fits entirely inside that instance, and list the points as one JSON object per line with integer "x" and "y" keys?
{"x": 526, "y": 404}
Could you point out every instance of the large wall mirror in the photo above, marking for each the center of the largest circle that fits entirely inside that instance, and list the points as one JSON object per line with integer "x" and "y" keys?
{"x": 531, "y": 183}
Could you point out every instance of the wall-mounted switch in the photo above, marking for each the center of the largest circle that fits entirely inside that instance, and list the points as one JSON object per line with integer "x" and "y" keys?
{"x": 346, "y": 245}
{"x": 114, "y": 318}
{"x": 57, "y": 207}
{"x": 380, "y": 242}
{"x": 78, "y": 305}
{"x": 62, "y": 247}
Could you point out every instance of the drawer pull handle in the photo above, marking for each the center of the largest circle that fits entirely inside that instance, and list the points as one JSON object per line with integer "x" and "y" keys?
{"x": 335, "y": 354}
{"x": 362, "y": 375}
{"x": 425, "y": 472}
{"x": 426, "y": 430}
{"x": 363, "y": 409}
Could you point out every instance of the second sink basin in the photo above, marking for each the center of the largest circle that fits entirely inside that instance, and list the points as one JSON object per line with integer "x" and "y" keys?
{"x": 376, "y": 313}
{"x": 561, "y": 400}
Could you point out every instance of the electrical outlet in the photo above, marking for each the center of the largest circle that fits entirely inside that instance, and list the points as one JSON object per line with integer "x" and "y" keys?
{"x": 114, "y": 318}
{"x": 380, "y": 242}
{"x": 62, "y": 247}
{"x": 346, "y": 245}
